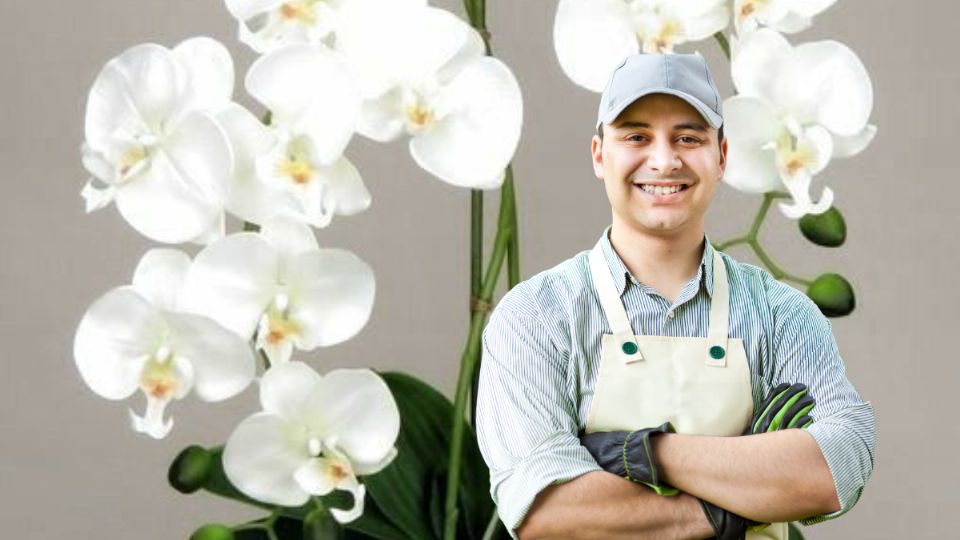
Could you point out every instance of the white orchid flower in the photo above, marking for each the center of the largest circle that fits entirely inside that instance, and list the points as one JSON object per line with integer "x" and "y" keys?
{"x": 266, "y": 25}
{"x": 134, "y": 337}
{"x": 281, "y": 285}
{"x": 797, "y": 108}
{"x": 788, "y": 16}
{"x": 151, "y": 142}
{"x": 462, "y": 109}
{"x": 592, "y": 37}
{"x": 315, "y": 434}
{"x": 295, "y": 167}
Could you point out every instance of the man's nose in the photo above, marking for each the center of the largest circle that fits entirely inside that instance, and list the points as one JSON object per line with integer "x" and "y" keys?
{"x": 663, "y": 157}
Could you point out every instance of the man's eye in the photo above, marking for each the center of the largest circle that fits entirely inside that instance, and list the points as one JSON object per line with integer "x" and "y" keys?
{"x": 689, "y": 140}
{"x": 635, "y": 137}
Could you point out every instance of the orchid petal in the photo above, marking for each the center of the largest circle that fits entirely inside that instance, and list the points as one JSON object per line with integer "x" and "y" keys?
{"x": 334, "y": 292}
{"x": 244, "y": 9}
{"x": 181, "y": 193}
{"x": 853, "y": 144}
{"x": 358, "y": 407}
{"x": 289, "y": 237}
{"x": 159, "y": 276}
{"x": 759, "y": 56}
{"x": 836, "y": 86}
{"x": 591, "y": 38}
{"x": 751, "y": 127}
{"x": 381, "y": 118}
{"x": 474, "y": 142}
{"x": 223, "y": 363}
{"x": 345, "y": 193}
{"x": 96, "y": 198}
{"x": 422, "y": 40}
{"x": 114, "y": 340}
{"x": 209, "y": 68}
{"x": 809, "y": 8}
{"x": 260, "y": 461}
{"x": 284, "y": 388}
{"x": 791, "y": 23}
{"x": 310, "y": 92}
{"x": 140, "y": 87}
{"x": 232, "y": 281}
{"x": 152, "y": 422}
{"x": 359, "y": 491}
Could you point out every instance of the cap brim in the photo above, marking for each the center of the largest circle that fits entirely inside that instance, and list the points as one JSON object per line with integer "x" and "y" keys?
{"x": 712, "y": 118}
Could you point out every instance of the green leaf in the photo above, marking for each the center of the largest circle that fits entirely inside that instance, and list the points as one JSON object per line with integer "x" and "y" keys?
{"x": 833, "y": 294}
{"x": 218, "y": 484}
{"x": 406, "y": 490}
{"x": 827, "y": 229}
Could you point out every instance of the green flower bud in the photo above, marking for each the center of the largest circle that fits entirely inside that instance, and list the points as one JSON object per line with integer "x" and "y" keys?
{"x": 833, "y": 295}
{"x": 190, "y": 469}
{"x": 213, "y": 531}
{"x": 827, "y": 229}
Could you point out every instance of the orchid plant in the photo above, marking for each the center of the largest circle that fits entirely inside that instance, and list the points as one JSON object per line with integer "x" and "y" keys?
{"x": 353, "y": 452}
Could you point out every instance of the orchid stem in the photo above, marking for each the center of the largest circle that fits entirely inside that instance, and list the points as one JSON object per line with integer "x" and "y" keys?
{"x": 752, "y": 239}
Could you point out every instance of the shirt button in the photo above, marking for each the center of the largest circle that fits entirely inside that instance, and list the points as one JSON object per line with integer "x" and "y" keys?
{"x": 670, "y": 314}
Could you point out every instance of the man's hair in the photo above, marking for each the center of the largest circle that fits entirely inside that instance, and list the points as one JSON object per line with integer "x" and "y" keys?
{"x": 719, "y": 135}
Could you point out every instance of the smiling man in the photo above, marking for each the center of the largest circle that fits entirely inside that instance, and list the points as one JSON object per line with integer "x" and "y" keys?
{"x": 616, "y": 388}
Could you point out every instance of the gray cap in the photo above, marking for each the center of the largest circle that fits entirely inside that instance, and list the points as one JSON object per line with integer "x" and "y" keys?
{"x": 683, "y": 75}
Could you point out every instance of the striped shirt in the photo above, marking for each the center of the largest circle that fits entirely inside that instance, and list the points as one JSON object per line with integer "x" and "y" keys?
{"x": 541, "y": 356}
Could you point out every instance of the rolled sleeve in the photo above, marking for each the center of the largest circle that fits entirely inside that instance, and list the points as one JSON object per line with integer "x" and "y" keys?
{"x": 526, "y": 418}
{"x": 844, "y": 427}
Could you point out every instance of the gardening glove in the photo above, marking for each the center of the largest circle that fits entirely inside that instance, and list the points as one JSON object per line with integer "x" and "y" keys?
{"x": 785, "y": 407}
{"x": 629, "y": 454}
{"x": 726, "y": 524}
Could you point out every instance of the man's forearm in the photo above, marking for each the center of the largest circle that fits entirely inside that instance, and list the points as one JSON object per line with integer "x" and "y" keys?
{"x": 604, "y": 506}
{"x": 769, "y": 477}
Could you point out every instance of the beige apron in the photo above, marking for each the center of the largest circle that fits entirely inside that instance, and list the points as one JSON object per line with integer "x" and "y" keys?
{"x": 700, "y": 385}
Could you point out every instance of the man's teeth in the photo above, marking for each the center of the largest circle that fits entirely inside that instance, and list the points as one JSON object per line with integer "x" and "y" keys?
{"x": 659, "y": 190}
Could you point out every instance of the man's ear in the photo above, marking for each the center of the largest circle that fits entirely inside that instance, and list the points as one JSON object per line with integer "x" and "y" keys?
{"x": 596, "y": 150}
{"x": 723, "y": 156}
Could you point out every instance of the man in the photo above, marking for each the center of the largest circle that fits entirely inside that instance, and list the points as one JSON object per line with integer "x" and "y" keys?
{"x": 653, "y": 327}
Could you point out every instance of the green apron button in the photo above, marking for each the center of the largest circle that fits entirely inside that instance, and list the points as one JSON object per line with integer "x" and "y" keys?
{"x": 630, "y": 347}
{"x": 716, "y": 352}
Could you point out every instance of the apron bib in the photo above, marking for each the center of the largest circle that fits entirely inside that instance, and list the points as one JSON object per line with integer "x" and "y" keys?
{"x": 700, "y": 385}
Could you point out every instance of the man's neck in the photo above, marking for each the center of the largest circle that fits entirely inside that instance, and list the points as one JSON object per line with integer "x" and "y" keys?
{"x": 665, "y": 263}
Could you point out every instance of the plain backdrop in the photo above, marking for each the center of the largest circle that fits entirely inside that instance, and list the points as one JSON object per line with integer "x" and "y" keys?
{"x": 71, "y": 468}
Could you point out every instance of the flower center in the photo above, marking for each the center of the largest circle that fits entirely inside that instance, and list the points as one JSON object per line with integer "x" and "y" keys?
{"x": 158, "y": 378}
{"x": 301, "y": 11}
{"x": 296, "y": 164}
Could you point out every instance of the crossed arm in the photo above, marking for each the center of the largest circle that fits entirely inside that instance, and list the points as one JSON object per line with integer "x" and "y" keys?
{"x": 770, "y": 477}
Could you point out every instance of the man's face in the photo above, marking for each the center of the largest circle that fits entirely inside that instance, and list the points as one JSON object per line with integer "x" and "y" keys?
{"x": 659, "y": 139}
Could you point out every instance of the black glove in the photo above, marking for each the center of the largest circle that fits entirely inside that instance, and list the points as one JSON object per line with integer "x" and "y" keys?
{"x": 629, "y": 454}
{"x": 726, "y": 524}
{"x": 786, "y": 406}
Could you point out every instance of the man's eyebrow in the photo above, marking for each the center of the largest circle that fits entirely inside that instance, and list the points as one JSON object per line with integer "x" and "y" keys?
{"x": 695, "y": 126}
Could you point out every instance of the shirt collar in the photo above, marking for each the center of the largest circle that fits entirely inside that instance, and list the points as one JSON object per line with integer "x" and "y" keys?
{"x": 620, "y": 272}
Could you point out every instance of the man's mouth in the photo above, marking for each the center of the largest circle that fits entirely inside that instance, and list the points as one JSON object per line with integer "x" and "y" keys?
{"x": 662, "y": 190}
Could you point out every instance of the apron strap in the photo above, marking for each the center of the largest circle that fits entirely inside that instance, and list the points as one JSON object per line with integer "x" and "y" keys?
{"x": 612, "y": 306}
{"x": 719, "y": 312}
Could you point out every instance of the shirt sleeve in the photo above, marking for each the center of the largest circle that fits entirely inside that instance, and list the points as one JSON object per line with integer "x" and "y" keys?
{"x": 844, "y": 426}
{"x": 526, "y": 416}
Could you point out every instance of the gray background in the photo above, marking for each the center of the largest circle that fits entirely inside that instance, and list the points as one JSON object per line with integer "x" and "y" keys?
{"x": 69, "y": 465}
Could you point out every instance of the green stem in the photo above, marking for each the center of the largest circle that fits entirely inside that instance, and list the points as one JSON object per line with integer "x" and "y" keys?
{"x": 505, "y": 225}
{"x": 752, "y": 239}
{"x": 724, "y": 44}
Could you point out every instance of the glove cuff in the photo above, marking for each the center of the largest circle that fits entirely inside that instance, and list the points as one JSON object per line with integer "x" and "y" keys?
{"x": 638, "y": 462}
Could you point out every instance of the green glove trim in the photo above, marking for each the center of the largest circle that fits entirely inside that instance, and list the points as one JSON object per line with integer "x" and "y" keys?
{"x": 778, "y": 418}
{"x": 801, "y": 414}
